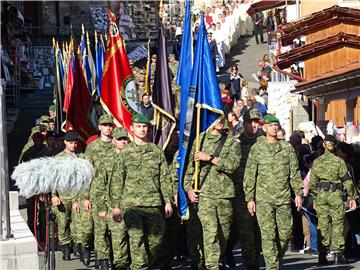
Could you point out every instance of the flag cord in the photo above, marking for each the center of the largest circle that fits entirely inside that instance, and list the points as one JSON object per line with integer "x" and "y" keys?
{"x": 197, "y": 148}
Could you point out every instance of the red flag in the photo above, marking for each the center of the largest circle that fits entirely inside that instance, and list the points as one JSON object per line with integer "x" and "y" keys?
{"x": 119, "y": 94}
{"x": 78, "y": 103}
{"x": 69, "y": 85}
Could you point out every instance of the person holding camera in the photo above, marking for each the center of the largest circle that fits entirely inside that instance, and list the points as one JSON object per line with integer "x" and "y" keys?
{"x": 329, "y": 178}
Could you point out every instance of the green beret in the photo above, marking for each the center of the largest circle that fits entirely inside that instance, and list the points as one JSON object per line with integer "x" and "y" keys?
{"x": 139, "y": 118}
{"x": 106, "y": 119}
{"x": 269, "y": 118}
{"x": 44, "y": 118}
{"x": 119, "y": 132}
{"x": 52, "y": 108}
{"x": 251, "y": 114}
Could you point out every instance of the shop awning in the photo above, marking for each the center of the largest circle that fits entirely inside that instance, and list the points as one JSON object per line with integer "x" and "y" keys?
{"x": 261, "y": 5}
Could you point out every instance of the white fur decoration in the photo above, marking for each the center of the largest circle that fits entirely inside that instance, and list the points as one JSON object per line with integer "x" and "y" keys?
{"x": 68, "y": 174}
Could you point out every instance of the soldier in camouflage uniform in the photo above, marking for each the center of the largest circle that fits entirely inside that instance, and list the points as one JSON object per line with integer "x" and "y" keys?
{"x": 119, "y": 238}
{"x": 329, "y": 176}
{"x": 64, "y": 203}
{"x": 141, "y": 192}
{"x": 271, "y": 172}
{"x": 173, "y": 66}
{"x": 29, "y": 154}
{"x": 216, "y": 190}
{"x": 100, "y": 153}
{"x": 152, "y": 70}
{"x": 245, "y": 227}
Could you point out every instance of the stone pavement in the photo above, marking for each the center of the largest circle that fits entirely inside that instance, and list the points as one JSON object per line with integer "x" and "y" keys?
{"x": 246, "y": 55}
{"x": 292, "y": 261}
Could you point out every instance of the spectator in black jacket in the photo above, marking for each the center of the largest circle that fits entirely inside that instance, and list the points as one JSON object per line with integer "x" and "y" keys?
{"x": 213, "y": 48}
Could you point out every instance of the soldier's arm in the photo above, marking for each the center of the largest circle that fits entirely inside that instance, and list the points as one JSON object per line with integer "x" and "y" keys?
{"x": 116, "y": 182}
{"x": 165, "y": 180}
{"x": 295, "y": 177}
{"x": 174, "y": 175}
{"x": 229, "y": 160}
{"x": 250, "y": 175}
{"x": 85, "y": 194}
{"x": 346, "y": 180}
{"x": 314, "y": 177}
{"x": 101, "y": 189}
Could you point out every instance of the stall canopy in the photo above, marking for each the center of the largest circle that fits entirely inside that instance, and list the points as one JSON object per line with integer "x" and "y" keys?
{"x": 261, "y": 5}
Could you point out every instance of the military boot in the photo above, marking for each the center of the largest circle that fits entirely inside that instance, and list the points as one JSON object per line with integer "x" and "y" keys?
{"x": 86, "y": 255}
{"x": 76, "y": 249}
{"x": 339, "y": 258}
{"x": 322, "y": 259}
{"x": 104, "y": 264}
{"x": 66, "y": 252}
{"x": 229, "y": 259}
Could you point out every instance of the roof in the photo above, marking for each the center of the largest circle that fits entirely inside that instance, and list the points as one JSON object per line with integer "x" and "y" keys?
{"x": 315, "y": 48}
{"x": 288, "y": 38}
{"x": 322, "y": 16}
{"x": 261, "y": 5}
{"x": 340, "y": 78}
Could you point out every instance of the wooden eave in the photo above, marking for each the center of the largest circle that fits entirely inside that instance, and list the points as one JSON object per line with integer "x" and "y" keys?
{"x": 346, "y": 78}
{"x": 307, "y": 51}
{"x": 324, "y": 15}
{"x": 288, "y": 38}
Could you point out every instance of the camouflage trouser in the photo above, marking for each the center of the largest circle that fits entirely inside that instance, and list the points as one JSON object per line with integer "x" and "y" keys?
{"x": 215, "y": 216}
{"x": 246, "y": 229}
{"x": 81, "y": 226}
{"x": 331, "y": 213}
{"x": 146, "y": 228}
{"x": 119, "y": 241}
{"x": 101, "y": 236}
{"x": 106, "y": 230}
{"x": 63, "y": 218}
{"x": 194, "y": 236}
{"x": 275, "y": 222}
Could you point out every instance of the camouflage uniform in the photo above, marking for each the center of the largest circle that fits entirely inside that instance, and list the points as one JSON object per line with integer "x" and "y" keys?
{"x": 173, "y": 66}
{"x": 245, "y": 227}
{"x": 102, "y": 155}
{"x": 69, "y": 222}
{"x": 271, "y": 172}
{"x": 329, "y": 204}
{"x": 139, "y": 186}
{"x": 217, "y": 191}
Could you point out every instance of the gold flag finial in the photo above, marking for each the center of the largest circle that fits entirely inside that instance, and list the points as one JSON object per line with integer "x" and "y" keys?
{"x": 87, "y": 38}
{"x": 53, "y": 42}
{"x": 96, "y": 39}
{"x": 202, "y": 6}
{"x": 161, "y": 9}
{"x": 82, "y": 28}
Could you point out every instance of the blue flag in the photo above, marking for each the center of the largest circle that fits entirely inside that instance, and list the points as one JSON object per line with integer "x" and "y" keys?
{"x": 187, "y": 101}
{"x": 204, "y": 80}
{"x": 99, "y": 60}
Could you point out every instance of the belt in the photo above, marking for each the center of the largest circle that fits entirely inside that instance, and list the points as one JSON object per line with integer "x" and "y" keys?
{"x": 328, "y": 186}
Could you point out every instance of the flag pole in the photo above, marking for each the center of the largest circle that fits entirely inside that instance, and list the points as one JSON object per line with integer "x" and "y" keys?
{"x": 197, "y": 148}
{"x": 197, "y": 136}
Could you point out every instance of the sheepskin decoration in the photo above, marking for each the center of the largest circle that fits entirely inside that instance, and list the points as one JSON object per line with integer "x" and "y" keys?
{"x": 68, "y": 174}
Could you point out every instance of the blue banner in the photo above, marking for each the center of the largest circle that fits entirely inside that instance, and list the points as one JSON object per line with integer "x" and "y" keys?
{"x": 187, "y": 100}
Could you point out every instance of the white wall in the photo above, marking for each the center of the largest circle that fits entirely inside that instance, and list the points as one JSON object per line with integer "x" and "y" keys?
{"x": 280, "y": 102}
